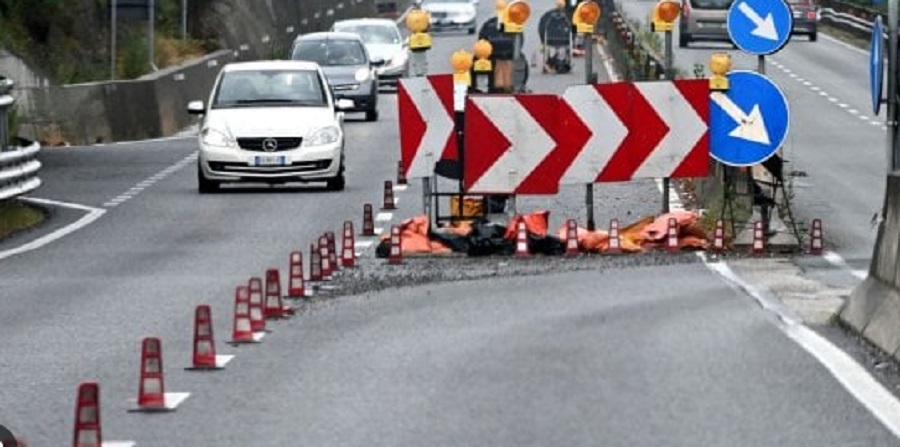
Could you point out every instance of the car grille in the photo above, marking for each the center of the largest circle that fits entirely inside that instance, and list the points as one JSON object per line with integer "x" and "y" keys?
{"x": 294, "y": 168}
{"x": 346, "y": 87}
{"x": 256, "y": 144}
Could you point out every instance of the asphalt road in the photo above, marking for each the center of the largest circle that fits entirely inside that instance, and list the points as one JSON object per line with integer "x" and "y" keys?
{"x": 646, "y": 351}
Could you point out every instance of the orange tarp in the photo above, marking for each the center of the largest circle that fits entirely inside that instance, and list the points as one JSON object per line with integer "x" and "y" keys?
{"x": 536, "y": 223}
{"x": 414, "y": 237}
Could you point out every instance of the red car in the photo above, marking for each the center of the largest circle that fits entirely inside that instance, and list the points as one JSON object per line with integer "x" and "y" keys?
{"x": 806, "y": 17}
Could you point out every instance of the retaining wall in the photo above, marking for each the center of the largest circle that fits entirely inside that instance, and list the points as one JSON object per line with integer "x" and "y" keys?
{"x": 873, "y": 309}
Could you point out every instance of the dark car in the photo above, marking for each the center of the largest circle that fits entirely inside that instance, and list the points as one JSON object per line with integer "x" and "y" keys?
{"x": 806, "y": 18}
{"x": 703, "y": 20}
{"x": 347, "y": 65}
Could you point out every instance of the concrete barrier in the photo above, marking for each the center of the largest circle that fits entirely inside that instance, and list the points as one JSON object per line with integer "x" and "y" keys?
{"x": 873, "y": 309}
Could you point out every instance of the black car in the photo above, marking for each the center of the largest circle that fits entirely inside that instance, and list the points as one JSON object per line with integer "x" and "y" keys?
{"x": 347, "y": 65}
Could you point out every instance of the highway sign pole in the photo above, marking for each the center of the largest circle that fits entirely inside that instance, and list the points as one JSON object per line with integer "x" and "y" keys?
{"x": 112, "y": 40}
{"x": 184, "y": 19}
{"x": 152, "y": 33}
{"x": 670, "y": 75}
{"x": 588, "y": 80}
{"x": 891, "y": 120}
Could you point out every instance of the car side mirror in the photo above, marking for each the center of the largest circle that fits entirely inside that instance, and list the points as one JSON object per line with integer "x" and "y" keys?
{"x": 344, "y": 104}
{"x": 196, "y": 108}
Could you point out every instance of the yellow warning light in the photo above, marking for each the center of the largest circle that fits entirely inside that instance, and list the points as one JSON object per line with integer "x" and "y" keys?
{"x": 517, "y": 13}
{"x": 585, "y": 16}
{"x": 719, "y": 65}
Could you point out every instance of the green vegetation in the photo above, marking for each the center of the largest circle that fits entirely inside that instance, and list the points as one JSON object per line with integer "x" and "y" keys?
{"x": 16, "y": 216}
{"x": 69, "y": 40}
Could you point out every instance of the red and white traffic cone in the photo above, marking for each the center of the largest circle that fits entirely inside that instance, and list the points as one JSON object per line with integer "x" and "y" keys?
{"x": 816, "y": 242}
{"x": 257, "y": 305}
{"x": 389, "y": 203}
{"x": 368, "y": 226}
{"x": 332, "y": 251}
{"x": 719, "y": 238}
{"x": 296, "y": 282}
{"x": 522, "y": 241}
{"x": 274, "y": 308}
{"x": 672, "y": 244}
{"x": 325, "y": 258}
{"x": 87, "y": 416}
{"x": 204, "y": 358}
{"x": 571, "y": 238}
{"x": 315, "y": 264}
{"x": 348, "y": 246}
{"x": 243, "y": 330}
{"x": 395, "y": 257}
{"x": 759, "y": 239}
{"x": 401, "y": 174}
{"x": 152, "y": 390}
{"x": 615, "y": 242}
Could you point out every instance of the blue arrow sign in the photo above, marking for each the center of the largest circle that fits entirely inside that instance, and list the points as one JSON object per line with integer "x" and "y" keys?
{"x": 760, "y": 27}
{"x": 876, "y": 64}
{"x": 749, "y": 121}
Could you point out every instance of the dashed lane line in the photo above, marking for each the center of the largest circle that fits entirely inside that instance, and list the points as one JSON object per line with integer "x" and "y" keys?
{"x": 150, "y": 181}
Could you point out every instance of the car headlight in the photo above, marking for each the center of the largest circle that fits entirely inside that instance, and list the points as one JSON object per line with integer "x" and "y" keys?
{"x": 212, "y": 137}
{"x": 399, "y": 59}
{"x": 325, "y": 135}
{"x": 363, "y": 74}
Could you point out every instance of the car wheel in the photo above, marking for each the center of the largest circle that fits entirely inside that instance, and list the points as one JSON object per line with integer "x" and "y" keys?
{"x": 372, "y": 115}
{"x": 813, "y": 36}
{"x": 339, "y": 182}
{"x": 205, "y": 185}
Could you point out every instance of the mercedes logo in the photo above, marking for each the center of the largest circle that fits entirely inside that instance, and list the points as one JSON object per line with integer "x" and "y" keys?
{"x": 270, "y": 145}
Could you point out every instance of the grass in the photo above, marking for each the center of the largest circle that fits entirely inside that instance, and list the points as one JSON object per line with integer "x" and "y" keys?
{"x": 16, "y": 216}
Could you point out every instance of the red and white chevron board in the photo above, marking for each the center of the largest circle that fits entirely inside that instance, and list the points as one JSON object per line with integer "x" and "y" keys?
{"x": 509, "y": 140}
{"x": 530, "y": 144}
{"x": 426, "y": 123}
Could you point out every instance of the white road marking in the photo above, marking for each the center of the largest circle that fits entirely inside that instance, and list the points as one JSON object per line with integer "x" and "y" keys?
{"x": 815, "y": 88}
{"x": 118, "y": 444}
{"x": 92, "y": 215}
{"x": 384, "y": 217}
{"x": 379, "y": 230}
{"x": 843, "y": 106}
{"x": 258, "y": 336}
{"x": 171, "y": 400}
{"x": 824, "y": 94}
{"x": 222, "y": 360}
{"x": 792, "y": 75}
{"x": 875, "y": 123}
{"x": 845, "y": 45}
{"x": 144, "y": 184}
{"x": 853, "y": 111}
{"x": 854, "y": 378}
{"x": 837, "y": 261}
{"x": 363, "y": 244}
{"x": 807, "y": 83}
{"x": 864, "y": 118}
{"x": 401, "y": 187}
{"x": 832, "y": 99}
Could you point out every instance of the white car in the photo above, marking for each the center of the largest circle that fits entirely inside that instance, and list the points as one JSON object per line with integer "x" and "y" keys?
{"x": 271, "y": 122}
{"x": 384, "y": 42}
{"x": 451, "y": 15}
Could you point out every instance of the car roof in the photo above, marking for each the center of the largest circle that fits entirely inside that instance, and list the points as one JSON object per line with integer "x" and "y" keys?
{"x": 329, "y": 35}
{"x": 271, "y": 65}
{"x": 373, "y": 21}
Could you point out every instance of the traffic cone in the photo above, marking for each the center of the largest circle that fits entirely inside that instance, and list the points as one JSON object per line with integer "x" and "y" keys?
{"x": 296, "y": 282}
{"x": 401, "y": 176}
{"x": 396, "y": 255}
{"x": 816, "y": 243}
{"x": 204, "y": 342}
{"x": 243, "y": 330}
{"x": 315, "y": 264}
{"x": 759, "y": 239}
{"x": 87, "y": 416}
{"x": 672, "y": 236}
{"x": 389, "y": 203}
{"x": 257, "y": 311}
{"x": 368, "y": 226}
{"x": 275, "y": 307}
{"x": 522, "y": 241}
{"x": 719, "y": 238}
{"x": 615, "y": 243}
{"x": 332, "y": 251}
{"x": 152, "y": 390}
{"x": 325, "y": 257}
{"x": 571, "y": 238}
{"x": 348, "y": 246}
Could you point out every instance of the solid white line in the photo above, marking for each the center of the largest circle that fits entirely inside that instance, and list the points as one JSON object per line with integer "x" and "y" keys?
{"x": 838, "y": 261}
{"x": 384, "y": 217}
{"x": 92, "y": 215}
{"x": 845, "y": 45}
{"x": 118, "y": 444}
{"x": 854, "y": 378}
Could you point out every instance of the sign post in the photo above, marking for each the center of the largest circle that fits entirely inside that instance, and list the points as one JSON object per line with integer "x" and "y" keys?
{"x": 892, "y": 87}
{"x": 419, "y": 43}
{"x": 585, "y": 17}
{"x": 664, "y": 15}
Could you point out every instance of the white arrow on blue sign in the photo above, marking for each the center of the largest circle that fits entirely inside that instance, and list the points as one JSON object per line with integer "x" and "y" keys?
{"x": 876, "y": 64}
{"x": 748, "y": 122}
{"x": 760, "y": 27}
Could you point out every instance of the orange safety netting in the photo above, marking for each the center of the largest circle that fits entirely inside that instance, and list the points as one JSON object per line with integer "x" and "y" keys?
{"x": 648, "y": 232}
{"x": 536, "y": 223}
{"x": 414, "y": 237}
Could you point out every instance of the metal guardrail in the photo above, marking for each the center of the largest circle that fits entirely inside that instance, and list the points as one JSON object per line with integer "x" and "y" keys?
{"x": 846, "y": 21}
{"x": 18, "y": 165}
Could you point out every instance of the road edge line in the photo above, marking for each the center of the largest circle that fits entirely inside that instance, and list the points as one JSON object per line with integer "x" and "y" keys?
{"x": 92, "y": 215}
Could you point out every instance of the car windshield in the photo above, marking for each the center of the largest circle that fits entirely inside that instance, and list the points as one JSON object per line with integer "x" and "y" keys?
{"x": 371, "y": 34}
{"x": 711, "y": 4}
{"x": 261, "y": 88}
{"x": 330, "y": 52}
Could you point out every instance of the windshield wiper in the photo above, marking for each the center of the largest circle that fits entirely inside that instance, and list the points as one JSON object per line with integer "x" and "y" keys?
{"x": 260, "y": 101}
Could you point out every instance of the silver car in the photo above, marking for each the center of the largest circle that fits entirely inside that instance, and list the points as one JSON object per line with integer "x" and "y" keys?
{"x": 703, "y": 20}
{"x": 382, "y": 40}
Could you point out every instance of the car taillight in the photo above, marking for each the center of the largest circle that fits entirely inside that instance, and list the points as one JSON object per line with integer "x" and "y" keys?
{"x": 811, "y": 15}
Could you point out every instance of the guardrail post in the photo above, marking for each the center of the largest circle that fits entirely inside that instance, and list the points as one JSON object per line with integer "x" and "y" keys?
{"x": 6, "y": 102}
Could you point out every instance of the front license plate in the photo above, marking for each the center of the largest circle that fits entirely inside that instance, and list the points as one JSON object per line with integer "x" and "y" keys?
{"x": 269, "y": 160}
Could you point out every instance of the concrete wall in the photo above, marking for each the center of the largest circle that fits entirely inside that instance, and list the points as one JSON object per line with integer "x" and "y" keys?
{"x": 873, "y": 309}
{"x": 154, "y": 106}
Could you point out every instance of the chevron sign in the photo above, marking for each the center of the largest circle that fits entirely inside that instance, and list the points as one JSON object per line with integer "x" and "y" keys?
{"x": 530, "y": 144}
{"x": 425, "y": 106}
